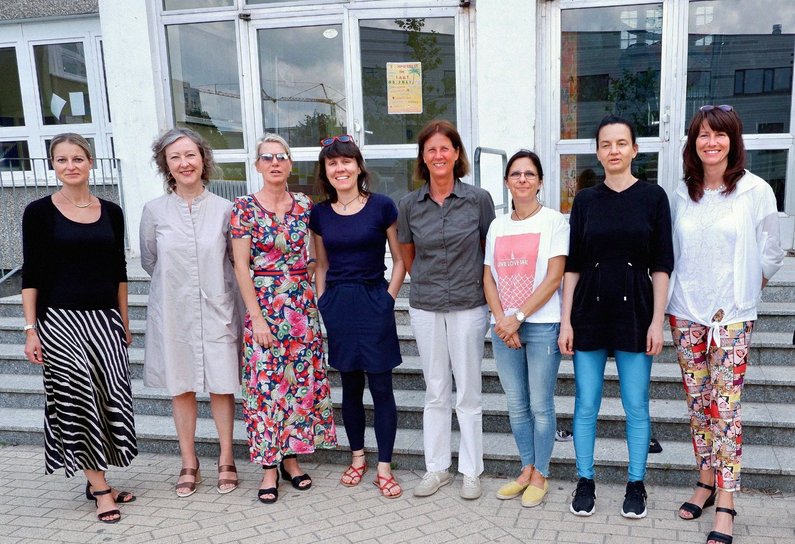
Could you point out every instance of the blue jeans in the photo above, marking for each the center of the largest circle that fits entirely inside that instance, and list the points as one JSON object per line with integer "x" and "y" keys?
{"x": 634, "y": 375}
{"x": 528, "y": 377}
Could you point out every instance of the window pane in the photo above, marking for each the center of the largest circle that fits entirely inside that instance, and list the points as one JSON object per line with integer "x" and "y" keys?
{"x": 430, "y": 43}
{"x": 230, "y": 180}
{"x": 205, "y": 88}
{"x": 303, "y": 83}
{"x": 188, "y": 4}
{"x": 770, "y": 165}
{"x": 63, "y": 86}
{"x": 582, "y": 171}
{"x": 610, "y": 63}
{"x": 392, "y": 177}
{"x": 11, "y": 114}
{"x": 747, "y": 58}
{"x": 302, "y": 180}
{"x": 14, "y": 156}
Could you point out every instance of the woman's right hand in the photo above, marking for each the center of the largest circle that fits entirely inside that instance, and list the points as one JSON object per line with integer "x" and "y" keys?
{"x": 33, "y": 348}
{"x": 566, "y": 340}
{"x": 260, "y": 332}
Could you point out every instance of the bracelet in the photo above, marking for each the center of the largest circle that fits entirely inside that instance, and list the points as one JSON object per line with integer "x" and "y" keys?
{"x": 29, "y": 327}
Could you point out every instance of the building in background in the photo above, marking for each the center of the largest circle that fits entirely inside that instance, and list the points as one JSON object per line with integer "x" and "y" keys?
{"x": 510, "y": 73}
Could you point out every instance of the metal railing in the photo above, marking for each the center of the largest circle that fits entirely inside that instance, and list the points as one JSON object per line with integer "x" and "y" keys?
{"x": 492, "y": 151}
{"x": 25, "y": 180}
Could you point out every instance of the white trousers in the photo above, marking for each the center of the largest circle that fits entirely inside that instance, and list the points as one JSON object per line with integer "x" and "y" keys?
{"x": 452, "y": 341}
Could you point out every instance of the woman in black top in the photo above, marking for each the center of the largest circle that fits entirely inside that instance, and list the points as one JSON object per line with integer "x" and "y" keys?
{"x": 74, "y": 297}
{"x": 614, "y": 294}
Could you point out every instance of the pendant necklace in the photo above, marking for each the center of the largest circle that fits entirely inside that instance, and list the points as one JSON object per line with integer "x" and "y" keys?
{"x": 345, "y": 204}
{"x": 529, "y": 215}
{"x": 77, "y": 205}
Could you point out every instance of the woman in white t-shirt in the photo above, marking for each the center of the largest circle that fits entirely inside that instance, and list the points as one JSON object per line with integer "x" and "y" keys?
{"x": 525, "y": 257}
{"x": 726, "y": 248}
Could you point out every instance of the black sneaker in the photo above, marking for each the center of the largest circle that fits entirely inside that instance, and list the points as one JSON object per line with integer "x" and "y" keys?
{"x": 654, "y": 446}
{"x": 563, "y": 435}
{"x": 584, "y": 501}
{"x": 634, "y": 501}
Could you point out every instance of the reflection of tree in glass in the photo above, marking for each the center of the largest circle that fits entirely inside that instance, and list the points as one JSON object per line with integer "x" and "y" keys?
{"x": 634, "y": 97}
{"x": 313, "y": 128}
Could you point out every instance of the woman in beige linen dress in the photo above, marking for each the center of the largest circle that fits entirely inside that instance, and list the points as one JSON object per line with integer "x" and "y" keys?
{"x": 193, "y": 324}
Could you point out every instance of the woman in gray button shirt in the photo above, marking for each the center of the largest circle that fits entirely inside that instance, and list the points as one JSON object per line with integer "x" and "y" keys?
{"x": 442, "y": 229}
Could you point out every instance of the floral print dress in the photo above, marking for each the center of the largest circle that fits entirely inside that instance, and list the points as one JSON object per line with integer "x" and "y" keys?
{"x": 286, "y": 395}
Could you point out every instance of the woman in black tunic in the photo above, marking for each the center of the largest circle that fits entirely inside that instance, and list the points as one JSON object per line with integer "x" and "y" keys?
{"x": 74, "y": 297}
{"x": 614, "y": 294}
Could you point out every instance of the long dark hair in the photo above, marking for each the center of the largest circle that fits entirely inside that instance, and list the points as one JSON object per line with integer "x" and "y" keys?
{"x": 719, "y": 121}
{"x": 445, "y": 128}
{"x": 341, "y": 149}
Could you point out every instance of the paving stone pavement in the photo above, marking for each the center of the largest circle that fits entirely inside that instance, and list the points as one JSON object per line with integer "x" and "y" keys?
{"x": 35, "y": 507}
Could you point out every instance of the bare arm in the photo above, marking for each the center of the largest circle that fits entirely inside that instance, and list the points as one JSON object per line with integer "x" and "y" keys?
{"x": 32, "y": 342}
{"x": 566, "y": 338}
{"x": 241, "y": 250}
{"x": 493, "y": 299}
{"x": 321, "y": 266}
{"x": 654, "y": 337}
{"x": 398, "y": 266}
{"x": 123, "y": 310}
{"x": 408, "y": 251}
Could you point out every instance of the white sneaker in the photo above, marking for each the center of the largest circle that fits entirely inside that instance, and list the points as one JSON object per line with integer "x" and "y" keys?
{"x": 431, "y": 483}
{"x": 471, "y": 489}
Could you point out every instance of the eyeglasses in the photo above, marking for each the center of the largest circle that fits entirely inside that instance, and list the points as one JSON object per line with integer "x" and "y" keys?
{"x": 344, "y": 138}
{"x": 528, "y": 175}
{"x": 710, "y": 107}
{"x": 268, "y": 157}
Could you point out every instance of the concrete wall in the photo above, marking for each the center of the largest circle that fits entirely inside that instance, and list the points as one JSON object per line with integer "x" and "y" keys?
{"x": 30, "y": 9}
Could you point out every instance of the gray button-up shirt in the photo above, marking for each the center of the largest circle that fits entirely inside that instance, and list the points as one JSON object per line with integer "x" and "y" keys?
{"x": 447, "y": 274}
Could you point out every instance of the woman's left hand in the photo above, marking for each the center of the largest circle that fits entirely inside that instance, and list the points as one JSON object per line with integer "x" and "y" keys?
{"x": 128, "y": 335}
{"x": 654, "y": 340}
{"x": 506, "y": 326}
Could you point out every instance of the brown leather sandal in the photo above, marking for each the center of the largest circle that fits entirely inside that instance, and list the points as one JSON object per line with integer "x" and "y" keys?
{"x": 188, "y": 487}
{"x": 226, "y": 481}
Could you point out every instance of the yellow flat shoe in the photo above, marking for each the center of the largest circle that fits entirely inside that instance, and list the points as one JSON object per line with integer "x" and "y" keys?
{"x": 511, "y": 490}
{"x": 534, "y": 495}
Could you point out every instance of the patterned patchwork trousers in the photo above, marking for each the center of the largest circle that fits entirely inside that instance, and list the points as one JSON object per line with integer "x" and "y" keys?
{"x": 713, "y": 377}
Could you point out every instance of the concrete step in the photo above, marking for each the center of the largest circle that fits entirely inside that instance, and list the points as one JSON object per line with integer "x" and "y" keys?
{"x": 763, "y": 423}
{"x": 764, "y": 466}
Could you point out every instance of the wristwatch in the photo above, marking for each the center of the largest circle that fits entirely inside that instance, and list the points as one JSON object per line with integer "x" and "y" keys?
{"x": 29, "y": 327}
{"x": 520, "y": 317}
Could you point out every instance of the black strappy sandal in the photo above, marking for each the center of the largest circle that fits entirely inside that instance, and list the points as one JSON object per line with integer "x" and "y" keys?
{"x": 722, "y": 537}
{"x": 695, "y": 509}
{"x": 263, "y": 492}
{"x": 295, "y": 480}
{"x": 102, "y": 515}
{"x": 122, "y": 498}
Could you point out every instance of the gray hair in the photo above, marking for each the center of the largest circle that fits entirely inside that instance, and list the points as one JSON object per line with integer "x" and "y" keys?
{"x": 169, "y": 137}
{"x": 271, "y": 137}
{"x": 71, "y": 138}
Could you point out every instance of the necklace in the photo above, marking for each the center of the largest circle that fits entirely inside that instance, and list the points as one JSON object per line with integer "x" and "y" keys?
{"x": 529, "y": 215}
{"x": 345, "y": 204}
{"x": 72, "y": 202}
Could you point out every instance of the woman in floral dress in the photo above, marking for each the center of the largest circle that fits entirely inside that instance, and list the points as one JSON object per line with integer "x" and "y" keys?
{"x": 286, "y": 396}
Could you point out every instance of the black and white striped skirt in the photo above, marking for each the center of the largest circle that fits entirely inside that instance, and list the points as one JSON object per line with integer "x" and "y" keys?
{"x": 88, "y": 421}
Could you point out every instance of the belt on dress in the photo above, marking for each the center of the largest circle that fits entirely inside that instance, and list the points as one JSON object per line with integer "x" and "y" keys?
{"x": 290, "y": 272}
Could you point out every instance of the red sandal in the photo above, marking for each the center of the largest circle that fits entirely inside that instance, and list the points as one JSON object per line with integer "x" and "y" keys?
{"x": 386, "y": 485}
{"x": 354, "y": 474}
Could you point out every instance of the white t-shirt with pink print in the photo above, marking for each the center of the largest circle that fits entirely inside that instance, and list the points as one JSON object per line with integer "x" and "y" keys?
{"x": 518, "y": 253}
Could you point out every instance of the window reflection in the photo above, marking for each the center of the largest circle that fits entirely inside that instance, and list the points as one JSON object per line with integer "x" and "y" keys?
{"x": 578, "y": 172}
{"x": 63, "y": 85}
{"x": 392, "y": 177}
{"x": 11, "y": 114}
{"x": 230, "y": 180}
{"x": 429, "y": 41}
{"x": 205, "y": 88}
{"x": 740, "y": 53}
{"x": 14, "y": 156}
{"x": 193, "y": 4}
{"x": 610, "y": 63}
{"x": 770, "y": 165}
{"x": 302, "y": 80}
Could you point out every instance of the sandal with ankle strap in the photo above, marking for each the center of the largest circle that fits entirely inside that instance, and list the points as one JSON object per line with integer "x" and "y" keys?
{"x": 263, "y": 492}
{"x": 386, "y": 485}
{"x": 696, "y": 510}
{"x": 354, "y": 474}
{"x": 722, "y": 537}
{"x": 123, "y": 497}
{"x": 226, "y": 481}
{"x": 102, "y": 516}
{"x": 190, "y": 487}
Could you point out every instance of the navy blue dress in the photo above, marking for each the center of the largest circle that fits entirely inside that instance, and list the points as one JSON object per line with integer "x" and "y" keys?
{"x": 357, "y": 309}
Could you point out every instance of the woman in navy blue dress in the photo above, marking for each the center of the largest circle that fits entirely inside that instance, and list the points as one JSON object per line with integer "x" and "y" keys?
{"x": 350, "y": 230}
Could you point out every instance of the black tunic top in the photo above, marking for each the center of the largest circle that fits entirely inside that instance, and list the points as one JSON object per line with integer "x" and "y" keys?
{"x": 617, "y": 241}
{"x": 75, "y": 266}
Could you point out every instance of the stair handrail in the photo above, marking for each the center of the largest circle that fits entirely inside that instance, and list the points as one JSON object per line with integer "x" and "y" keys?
{"x": 492, "y": 151}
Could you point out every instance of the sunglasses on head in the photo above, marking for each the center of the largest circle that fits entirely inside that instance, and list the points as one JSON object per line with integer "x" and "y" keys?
{"x": 344, "y": 138}
{"x": 268, "y": 157}
{"x": 710, "y": 107}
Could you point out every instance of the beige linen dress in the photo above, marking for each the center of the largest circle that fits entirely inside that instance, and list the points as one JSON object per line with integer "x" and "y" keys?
{"x": 194, "y": 322}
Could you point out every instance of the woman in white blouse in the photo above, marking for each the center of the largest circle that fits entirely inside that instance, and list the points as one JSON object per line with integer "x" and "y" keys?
{"x": 193, "y": 323}
{"x": 726, "y": 248}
